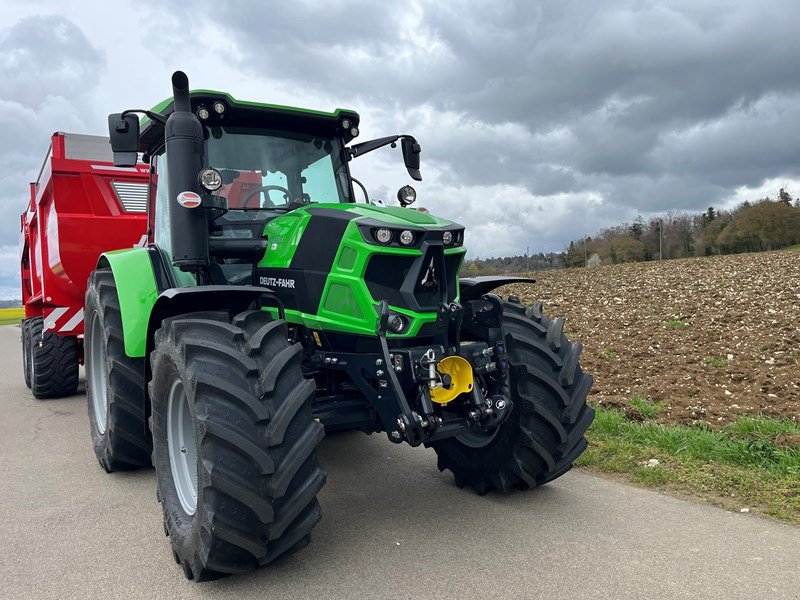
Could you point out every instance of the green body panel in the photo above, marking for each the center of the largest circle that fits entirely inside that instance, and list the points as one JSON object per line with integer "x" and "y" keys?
{"x": 137, "y": 291}
{"x": 346, "y": 304}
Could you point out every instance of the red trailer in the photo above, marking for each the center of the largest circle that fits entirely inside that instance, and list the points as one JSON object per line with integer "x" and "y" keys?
{"x": 80, "y": 206}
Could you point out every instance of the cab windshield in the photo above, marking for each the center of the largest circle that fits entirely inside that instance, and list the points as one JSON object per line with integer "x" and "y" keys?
{"x": 276, "y": 170}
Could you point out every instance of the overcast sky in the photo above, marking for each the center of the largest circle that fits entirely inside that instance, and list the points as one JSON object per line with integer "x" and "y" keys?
{"x": 540, "y": 122}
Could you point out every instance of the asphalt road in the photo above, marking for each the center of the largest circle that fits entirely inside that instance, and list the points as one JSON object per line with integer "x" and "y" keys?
{"x": 393, "y": 527}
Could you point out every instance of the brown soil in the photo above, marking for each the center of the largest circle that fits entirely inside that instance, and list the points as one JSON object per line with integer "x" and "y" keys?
{"x": 709, "y": 338}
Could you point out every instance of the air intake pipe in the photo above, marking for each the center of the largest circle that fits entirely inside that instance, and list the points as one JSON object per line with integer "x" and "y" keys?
{"x": 183, "y": 137}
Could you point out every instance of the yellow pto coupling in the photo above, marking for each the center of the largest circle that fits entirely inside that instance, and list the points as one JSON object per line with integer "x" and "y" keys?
{"x": 461, "y": 379}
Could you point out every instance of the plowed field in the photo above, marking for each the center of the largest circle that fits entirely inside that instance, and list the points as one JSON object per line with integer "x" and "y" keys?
{"x": 707, "y": 339}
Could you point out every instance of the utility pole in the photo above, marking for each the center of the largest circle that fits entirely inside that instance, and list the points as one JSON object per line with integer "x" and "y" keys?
{"x": 585, "y": 255}
{"x": 660, "y": 228}
{"x": 527, "y": 259}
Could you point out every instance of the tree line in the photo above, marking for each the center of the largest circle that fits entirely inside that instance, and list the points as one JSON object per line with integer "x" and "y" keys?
{"x": 765, "y": 224}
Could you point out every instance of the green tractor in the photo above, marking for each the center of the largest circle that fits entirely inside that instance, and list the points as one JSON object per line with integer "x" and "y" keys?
{"x": 269, "y": 307}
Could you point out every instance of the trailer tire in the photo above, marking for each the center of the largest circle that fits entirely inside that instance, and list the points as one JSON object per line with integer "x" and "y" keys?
{"x": 53, "y": 362}
{"x": 114, "y": 381}
{"x": 26, "y": 350}
{"x": 544, "y": 433}
{"x": 234, "y": 441}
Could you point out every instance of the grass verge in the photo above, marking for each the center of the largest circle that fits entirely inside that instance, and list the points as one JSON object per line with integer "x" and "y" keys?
{"x": 753, "y": 463}
{"x": 11, "y": 316}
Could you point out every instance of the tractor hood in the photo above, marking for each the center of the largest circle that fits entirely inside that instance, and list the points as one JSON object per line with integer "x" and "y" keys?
{"x": 390, "y": 215}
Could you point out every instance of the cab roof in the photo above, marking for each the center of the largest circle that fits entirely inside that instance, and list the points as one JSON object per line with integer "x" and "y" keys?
{"x": 242, "y": 113}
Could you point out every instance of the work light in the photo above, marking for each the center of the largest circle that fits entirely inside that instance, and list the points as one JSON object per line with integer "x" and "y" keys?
{"x": 406, "y": 195}
{"x": 354, "y": 132}
{"x": 211, "y": 179}
{"x": 219, "y": 107}
{"x": 345, "y": 123}
{"x": 202, "y": 113}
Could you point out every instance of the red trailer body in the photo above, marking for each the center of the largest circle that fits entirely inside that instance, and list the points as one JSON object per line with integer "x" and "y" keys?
{"x": 80, "y": 206}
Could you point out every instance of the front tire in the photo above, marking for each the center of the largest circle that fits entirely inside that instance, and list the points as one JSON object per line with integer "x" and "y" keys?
{"x": 234, "y": 441}
{"x": 114, "y": 381}
{"x": 544, "y": 433}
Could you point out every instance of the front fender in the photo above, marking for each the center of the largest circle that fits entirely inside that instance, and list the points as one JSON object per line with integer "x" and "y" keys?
{"x": 137, "y": 291}
{"x": 473, "y": 288}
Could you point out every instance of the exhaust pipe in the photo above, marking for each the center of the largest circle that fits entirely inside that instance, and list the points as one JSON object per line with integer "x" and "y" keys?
{"x": 183, "y": 137}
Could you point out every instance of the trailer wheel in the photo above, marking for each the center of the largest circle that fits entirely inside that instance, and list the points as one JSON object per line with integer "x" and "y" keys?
{"x": 114, "y": 381}
{"x": 234, "y": 441}
{"x": 544, "y": 433}
{"x": 53, "y": 362}
{"x": 25, "y": 336}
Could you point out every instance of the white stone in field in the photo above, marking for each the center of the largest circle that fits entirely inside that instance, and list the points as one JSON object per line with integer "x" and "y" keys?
{"x": 653, "y": 462}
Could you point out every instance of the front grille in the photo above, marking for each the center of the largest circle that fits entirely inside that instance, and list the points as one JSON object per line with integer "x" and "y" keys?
{"x": 385, "y": 275}
{"x": 413, "y": 283}
{"x": 132, "y": 196}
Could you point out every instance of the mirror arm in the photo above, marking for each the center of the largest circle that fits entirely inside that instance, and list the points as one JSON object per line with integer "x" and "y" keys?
{"x": 364, "y": 147}
{"x": 157, "y": 117}
{"x": 369, "y": 146}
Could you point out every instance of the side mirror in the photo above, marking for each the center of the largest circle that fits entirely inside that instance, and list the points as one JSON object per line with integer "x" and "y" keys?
{"x": 411, "y": 151}
{"x": 123, "y": 133}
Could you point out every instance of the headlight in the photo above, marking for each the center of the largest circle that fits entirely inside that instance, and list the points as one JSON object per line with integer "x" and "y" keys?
{"x": 202, "y": 113}
{"x": 406, "y": 195}
{"x": 406, "y": 237}
{"x": 397, "y": 324}
{"x": 384, "y": 236}
{"x": 447, "y": 238}
{"x": 211, "y": 179}
{"x": 219, "y": 107}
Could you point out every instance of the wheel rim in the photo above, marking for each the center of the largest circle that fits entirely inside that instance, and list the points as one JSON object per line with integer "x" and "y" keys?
{"x": 182, "y": 448}
{"x": 97, "y": 374}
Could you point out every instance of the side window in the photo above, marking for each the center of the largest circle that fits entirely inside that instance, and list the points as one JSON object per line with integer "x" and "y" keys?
{"x": 161, "y": 218}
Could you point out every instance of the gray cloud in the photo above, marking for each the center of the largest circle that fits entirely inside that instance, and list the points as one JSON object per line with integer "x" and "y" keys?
{"x": 539, "y": 121}
{"x": 48, "y": 68}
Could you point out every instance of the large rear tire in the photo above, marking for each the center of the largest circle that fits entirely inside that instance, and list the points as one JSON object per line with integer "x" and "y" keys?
{"x": 234, "y": 441}
{"x": 53, "y": 362}
{"x": 544, "y": 434}
{"x": 114, "y": 381}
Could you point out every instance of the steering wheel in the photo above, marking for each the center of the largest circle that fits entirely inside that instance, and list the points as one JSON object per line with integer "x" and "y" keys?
{"x": 267, "y": 189}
